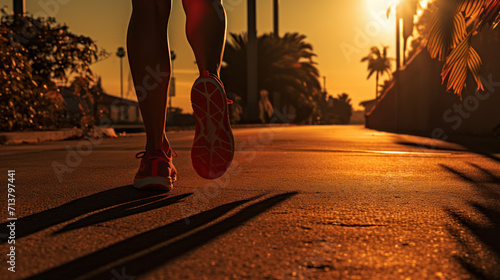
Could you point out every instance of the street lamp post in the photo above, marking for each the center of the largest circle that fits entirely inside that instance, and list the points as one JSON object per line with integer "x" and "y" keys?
{"x": 121, "y": 53}
{"x": 19, "y": 7}
{"x": 252, "y": 56}
{"x": 276, "y": 4}
{"x": 398, "y": 39}
{"x": 398, "y": 63}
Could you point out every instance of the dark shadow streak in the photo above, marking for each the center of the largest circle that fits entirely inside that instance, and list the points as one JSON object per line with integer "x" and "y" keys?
{"x": 457, "y": 173}
{"x": 124, "y": 210}
{"x": 145, "y": 260}
{"x": 48, "y": 218}
{"x": 488, "y": 187}
{"x": 426, "y": 146}
{"x": 484, "y": 146}
{"x": 491, "y": 178}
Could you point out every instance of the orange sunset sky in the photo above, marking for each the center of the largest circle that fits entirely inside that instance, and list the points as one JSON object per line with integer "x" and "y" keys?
{"x": 341, "y": 32}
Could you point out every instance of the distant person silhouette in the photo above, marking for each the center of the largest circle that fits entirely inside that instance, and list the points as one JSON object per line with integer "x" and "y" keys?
{"x": 149, "y": 57}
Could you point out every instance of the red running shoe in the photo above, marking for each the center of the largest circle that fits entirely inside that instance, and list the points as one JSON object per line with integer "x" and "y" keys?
{"x": 157, "y": 172}
{"x": 213, "y": 144}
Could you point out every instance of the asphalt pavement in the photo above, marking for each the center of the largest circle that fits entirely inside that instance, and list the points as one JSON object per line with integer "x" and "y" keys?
{"x": 299, "y": 202}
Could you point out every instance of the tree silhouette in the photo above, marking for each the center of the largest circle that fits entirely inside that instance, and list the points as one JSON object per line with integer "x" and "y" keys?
{"x": 337, "y": 110}
{"x": 342, "y": 109}
{"x": 88, "y": 92}
{"x": 285, "y": 66}
{"x": 51, "y": 49}
{"x": 378, "y": 63}
{"x": 422, "y": 28}
{"x": 385, "y": 86}
{"x": 39, "y": 52}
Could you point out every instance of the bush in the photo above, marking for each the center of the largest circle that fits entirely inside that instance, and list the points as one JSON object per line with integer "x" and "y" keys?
{"x": 36, "y": 53}
{"x": 24, "y": 103}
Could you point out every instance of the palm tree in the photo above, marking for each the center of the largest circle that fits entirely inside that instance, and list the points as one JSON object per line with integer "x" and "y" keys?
{"x": 342, "y": 108}
{"x": 454, "y": 25}
{"x": 378, "y": 63}
{"x": 285, "y": 66}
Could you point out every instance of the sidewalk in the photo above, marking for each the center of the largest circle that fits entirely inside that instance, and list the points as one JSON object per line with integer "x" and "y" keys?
{"x": 301, "y": 202}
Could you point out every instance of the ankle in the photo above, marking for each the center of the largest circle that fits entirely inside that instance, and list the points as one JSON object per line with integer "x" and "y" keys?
{"x": 212, "y": 73}
{"x": 165, "y": 144}
{"x": 151, "y": 145}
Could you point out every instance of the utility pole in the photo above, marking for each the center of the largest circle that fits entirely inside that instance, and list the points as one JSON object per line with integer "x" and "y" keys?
{"x": 252, "y": 70}
{"x": 398, "y": 63}
{"x": 398, "y": 39}
{"x": 276, "y": 17}
{"x": 171, "y": 92}
{"x": 19, "y": 7}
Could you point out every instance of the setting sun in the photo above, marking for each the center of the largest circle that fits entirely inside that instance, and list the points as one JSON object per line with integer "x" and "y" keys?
{"x": 380, "y": 7}
{"x": 377, "y": 8}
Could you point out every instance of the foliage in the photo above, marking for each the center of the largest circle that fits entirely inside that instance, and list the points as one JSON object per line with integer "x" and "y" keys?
{"x": 52, "y": 51}
{"x": 378, "y": 63}
{"x": 285, "y": 67}
{"x": 25, "y": 103}
{"x": 450, "y": 38}
{"x": 342, "y": 109}
{"x": 88, "y": 94}
{"x": 385, "y": 86}
{"x": 422, "y": 29}
{"x": 38, "y": 53}
{"x": 338, "y": 109}
{"x": 407, "y": 10}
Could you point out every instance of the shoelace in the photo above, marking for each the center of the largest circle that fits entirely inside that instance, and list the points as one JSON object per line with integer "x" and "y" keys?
{"x": 143, "y": 153}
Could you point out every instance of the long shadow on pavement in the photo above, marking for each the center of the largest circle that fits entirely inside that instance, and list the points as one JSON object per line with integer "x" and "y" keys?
{"x": 124, "y": 210}
{"x": 487, "y": 186}
{"x": 487, "y": 147}
{"x": 142, "y": 253}
{"x": 102, "y": 200}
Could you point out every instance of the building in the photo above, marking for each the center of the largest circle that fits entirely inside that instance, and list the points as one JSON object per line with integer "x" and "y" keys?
{"x": 119, "y": 111}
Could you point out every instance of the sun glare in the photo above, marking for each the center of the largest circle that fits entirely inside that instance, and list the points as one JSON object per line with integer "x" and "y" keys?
{"x": 378, "y": 9}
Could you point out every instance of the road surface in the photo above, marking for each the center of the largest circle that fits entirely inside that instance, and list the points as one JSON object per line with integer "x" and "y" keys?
{"x": 300, "y": 202}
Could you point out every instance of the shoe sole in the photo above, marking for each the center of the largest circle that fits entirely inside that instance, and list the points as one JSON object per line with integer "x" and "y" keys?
{"x": 213, "y": 144}
{"x": 154, "y": 184}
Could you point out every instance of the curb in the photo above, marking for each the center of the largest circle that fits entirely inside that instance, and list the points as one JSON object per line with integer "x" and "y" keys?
{"x": 34, "y": 137}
